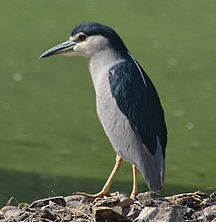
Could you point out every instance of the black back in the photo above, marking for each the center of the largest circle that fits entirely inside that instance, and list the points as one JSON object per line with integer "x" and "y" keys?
{"x": 138, "y": 100}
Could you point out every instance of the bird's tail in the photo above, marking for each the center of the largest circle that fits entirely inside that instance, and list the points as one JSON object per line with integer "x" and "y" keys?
{"x": 152, "y": 168}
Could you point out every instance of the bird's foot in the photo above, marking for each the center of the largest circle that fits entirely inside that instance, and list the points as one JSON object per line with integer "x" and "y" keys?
{"x": 94, "y": 196}
{"x": 133, "y": 196}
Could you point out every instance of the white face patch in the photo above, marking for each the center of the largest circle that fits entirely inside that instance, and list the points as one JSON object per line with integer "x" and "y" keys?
{"x": 91, "y": 45}
{"x": 71, "y": 38}
{"x": 88, "y": 47}
{"x": 77, "y": 49}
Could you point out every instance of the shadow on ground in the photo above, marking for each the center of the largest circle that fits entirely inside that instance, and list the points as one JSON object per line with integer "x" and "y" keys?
{"x": 27, "y": 187}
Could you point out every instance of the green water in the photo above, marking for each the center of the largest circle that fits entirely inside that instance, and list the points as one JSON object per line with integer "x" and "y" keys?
{"x": 51, "y": 142}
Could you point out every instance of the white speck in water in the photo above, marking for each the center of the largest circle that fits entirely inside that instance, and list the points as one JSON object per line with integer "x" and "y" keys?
{"x": 172, "y": 61}
{"x": 178, "y": 113}
{"x": 57, "y": 159}
{"x": 17, "y": 76}
{"x": 208, "y": 86}
{"x": 194, "y": 66}
{"x": 156, "y": 44}
{"x": 190, "y": 125}
{"x": 6, "y": 106}
{"x": 195, "y": 143}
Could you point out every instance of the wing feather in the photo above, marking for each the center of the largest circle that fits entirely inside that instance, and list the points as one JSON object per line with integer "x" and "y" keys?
{"x": 138, "y": 100}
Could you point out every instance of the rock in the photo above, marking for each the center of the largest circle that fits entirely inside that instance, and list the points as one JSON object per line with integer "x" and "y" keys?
{"x": 147, "y": 196}
{"x": 47, "y": 214}
{"x": 106, "y": 214}
{"x": 24, "y": 216}
{"x": 207, "y": 214}
{"x": 134, "y": 211}
{"x": 77, "y": 200}
{"x": 192, "y": 200}
{"x": 107, "y": 201}
{"x": 126, "y": 202}
{"x": 165, "y": 214}
{"x": 120, "y": 200}
{"x": 46, "y": 201}
{"x": 117, "y": 209}
{"x": 188, "y": 207}
{"x": 10, "y": 212}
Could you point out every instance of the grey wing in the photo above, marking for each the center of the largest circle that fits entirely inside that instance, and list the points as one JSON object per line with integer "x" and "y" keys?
{"x": 138, "y": 100}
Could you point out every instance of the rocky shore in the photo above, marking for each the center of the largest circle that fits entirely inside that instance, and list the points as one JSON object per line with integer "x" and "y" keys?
{"x": 193, "y": 207}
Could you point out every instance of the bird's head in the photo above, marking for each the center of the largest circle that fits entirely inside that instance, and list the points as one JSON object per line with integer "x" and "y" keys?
{"x": 87, "y": 39}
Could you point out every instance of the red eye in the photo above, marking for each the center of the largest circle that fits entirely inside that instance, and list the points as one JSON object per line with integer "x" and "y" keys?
{"x": 82, "y": 37}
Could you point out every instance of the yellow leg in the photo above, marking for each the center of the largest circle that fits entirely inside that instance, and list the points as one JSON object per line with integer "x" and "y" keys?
{"x": 106, "y": 188}
{"x": 135, "y": 183}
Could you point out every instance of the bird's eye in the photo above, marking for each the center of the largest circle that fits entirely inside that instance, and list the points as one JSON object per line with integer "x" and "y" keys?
{"x": 82, "y": 37}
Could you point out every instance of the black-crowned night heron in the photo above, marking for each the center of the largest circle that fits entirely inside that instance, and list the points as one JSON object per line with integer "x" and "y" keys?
{"x": 128, "y": 105}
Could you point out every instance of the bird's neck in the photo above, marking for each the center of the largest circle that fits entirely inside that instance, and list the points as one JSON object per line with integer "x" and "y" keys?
{"x": 100, "y": 63}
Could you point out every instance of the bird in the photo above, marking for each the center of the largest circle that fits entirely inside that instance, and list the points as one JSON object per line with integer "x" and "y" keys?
{"x": 127, "y": 103}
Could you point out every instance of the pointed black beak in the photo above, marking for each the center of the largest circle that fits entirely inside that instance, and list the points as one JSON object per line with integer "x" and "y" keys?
{"x": 61, "y": 48}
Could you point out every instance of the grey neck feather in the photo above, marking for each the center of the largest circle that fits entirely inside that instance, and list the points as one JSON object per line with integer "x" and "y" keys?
{"x": 100, "y": 63}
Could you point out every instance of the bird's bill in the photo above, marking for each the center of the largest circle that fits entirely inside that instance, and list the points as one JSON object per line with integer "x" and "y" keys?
{"x": 61, "y": 48}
